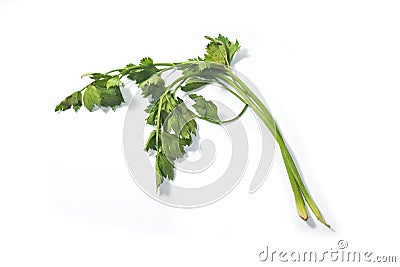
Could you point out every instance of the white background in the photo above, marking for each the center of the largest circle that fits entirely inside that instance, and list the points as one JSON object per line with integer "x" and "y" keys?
{"x": 330, "y": 74}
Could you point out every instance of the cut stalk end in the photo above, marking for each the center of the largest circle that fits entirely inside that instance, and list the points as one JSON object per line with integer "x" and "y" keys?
{"x": 304, "y": 216}
{"x": 324, "y": 222}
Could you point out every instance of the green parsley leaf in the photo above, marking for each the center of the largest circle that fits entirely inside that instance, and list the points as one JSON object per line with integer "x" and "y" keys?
{"x": 181, "y": 121}
{"x": 164, "y": 168}
{"x": 151, "y": 142}
{"x": 205, "y": 108}
{"x": 194, "y": 68}
{"x": 114, "y": 81}
{"x": 171, "y": 146}
{"x": 95, "y": 76}
{"x": 111, "y": 97}
{"x": 167, "y": 105}
{"x": 221, "y": 50}
{"x": 74, "y": 101}
{"x": 216, "y": 53}
{"x": 193, "y": 84}
{"x": 146, "y": 70}
{"x": 146, "y": 62}
{"x": 196, "y": 59}
{"x": 91, "y": 97}
{"x": 153, "y": 86}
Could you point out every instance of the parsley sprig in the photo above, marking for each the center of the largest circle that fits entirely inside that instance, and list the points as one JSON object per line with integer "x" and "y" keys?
{"x": 173, "y": 121}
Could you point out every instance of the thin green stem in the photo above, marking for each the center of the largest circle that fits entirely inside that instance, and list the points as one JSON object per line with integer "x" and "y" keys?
{"x": 179, "y": 85}
{"x": 158, "y": 121}
{"x": 165, "y": 64}
{"x": 292, "y": 169}
{"x": 270, "y": 125}
{"x": 208, "y": 119}
{"x": 237, "y": 116}
{"x": 298, "y": 187}
{"x": 226, "y": 121}
{"x": 232, "y": 92}
{"x": 140, "y": 67}
{"x": 300, "y": 205}
{"x": 160, "y": 101}
{"x": 178, "y": 80}
{"x": 252, "y": 95}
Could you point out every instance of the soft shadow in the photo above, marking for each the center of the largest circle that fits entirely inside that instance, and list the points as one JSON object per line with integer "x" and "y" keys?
{"x": 127, "y": 93}
{"x": 241, "y": 54}
{"x": 165, "y": 189}
{"x": 311, "y": 222}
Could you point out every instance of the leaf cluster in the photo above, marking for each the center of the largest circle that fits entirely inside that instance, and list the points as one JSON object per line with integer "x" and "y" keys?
{"x": 103, "y": 91}
{"x": 173, "y": 121}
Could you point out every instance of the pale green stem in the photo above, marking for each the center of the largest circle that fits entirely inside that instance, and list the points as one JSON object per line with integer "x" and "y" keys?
{"x": 296, "y": 182}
